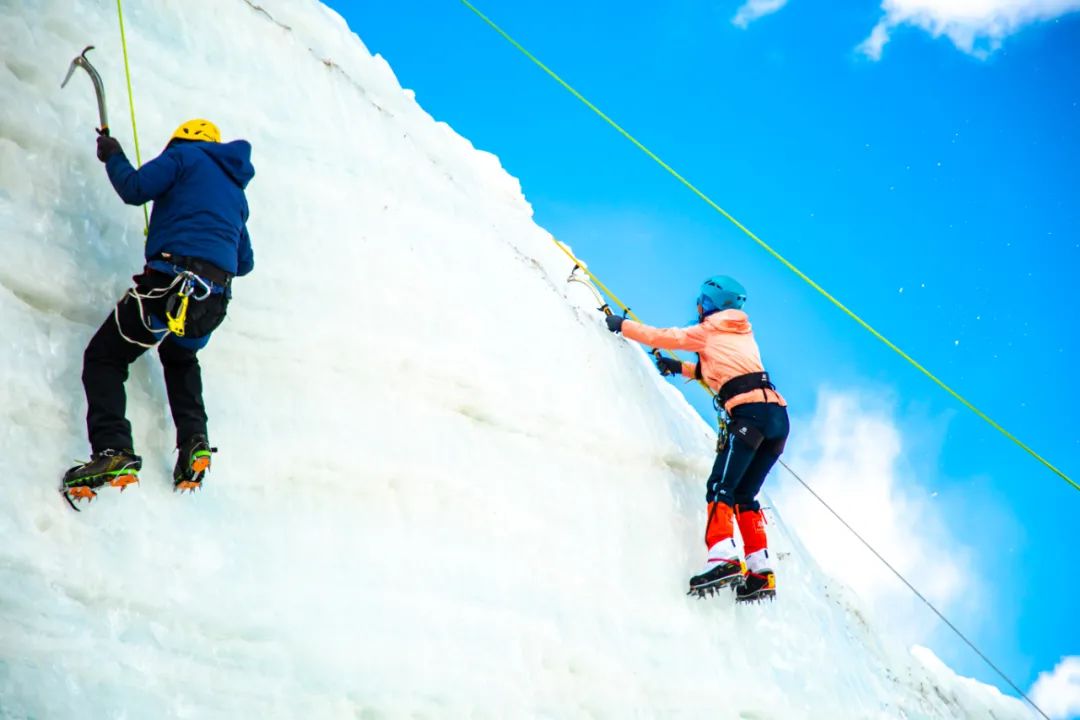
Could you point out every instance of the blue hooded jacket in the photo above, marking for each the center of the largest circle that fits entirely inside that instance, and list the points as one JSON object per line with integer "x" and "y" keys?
{"x": 200, "y": 210}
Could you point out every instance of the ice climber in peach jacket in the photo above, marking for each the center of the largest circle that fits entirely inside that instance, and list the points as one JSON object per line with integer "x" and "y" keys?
{"x": 730, "y": 363}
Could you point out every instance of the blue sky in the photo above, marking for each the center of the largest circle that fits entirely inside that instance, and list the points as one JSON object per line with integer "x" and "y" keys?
{"x": 933, "y": 190}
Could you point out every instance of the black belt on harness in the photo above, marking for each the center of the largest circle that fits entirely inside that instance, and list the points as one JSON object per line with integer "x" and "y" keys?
{"x": 744, "y": 383}
{"x": 202, "y": 268}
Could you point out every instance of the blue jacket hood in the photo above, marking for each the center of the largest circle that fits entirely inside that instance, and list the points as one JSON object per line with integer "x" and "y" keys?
{"x": 234, "y": 158}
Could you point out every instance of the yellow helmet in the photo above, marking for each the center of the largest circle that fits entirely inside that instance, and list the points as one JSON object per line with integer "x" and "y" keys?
{"x": 197, "y": 130}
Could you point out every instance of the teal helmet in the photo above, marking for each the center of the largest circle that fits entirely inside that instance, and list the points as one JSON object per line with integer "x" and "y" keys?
{"x": 721, "y": 292}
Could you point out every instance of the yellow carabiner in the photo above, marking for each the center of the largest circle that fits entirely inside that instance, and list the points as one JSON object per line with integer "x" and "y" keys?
{"x": 176, "y": 323}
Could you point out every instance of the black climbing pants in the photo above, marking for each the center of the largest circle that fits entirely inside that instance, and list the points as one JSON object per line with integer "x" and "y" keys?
{"x": 758, "y": 432}
{"x": 126, "y": 334}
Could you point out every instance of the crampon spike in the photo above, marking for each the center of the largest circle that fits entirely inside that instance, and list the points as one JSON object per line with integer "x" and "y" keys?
{"x": 122, "y": 481}
{"x": 77, "y": 494}
{"x": 713, "y": 589}
{"x": 201, "y": 464}
{"x": 187, "y": 486}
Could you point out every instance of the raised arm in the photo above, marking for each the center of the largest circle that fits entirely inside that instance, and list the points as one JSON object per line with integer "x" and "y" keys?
{"x": 136, "y": 187}
{"x": 689, "y": 338}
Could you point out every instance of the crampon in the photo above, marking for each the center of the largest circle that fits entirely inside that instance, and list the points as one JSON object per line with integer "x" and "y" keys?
{"x": 757, "y": 588}
{"x": 711, "y": 589}
{"x": 116, "y": 468}
{"x": 192, "y": 465}
{"x": 191, "y": 483}
{"x": 82, "y": 492}
{"x": 729, "y": 574}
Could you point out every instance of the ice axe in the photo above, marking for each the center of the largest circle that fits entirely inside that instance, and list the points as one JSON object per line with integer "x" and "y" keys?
{"x": 99, "y": 87}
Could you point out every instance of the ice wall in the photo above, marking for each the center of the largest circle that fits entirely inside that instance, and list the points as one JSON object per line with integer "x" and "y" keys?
{"x": 444, "y": 490}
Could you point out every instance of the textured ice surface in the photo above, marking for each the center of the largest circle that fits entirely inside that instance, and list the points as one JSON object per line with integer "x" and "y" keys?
{"x": 444, "y": 490}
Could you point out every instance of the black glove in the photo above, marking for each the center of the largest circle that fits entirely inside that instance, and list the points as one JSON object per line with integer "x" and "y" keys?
{"x": 107, "y": 146}
{"x": 614, "y": 322}
{"x": 668, "y": 366}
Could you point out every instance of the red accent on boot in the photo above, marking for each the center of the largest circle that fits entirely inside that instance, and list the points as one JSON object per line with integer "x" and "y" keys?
{"x": 752, "y": 529}
{"x": 720, "y": 525}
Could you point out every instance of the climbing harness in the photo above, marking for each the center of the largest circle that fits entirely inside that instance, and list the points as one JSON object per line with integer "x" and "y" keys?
{"x": 186, "y": 286}
{"x": 743, "y": 384}
{"x": 209, "y": 272}
{"x": 767, "y": 248}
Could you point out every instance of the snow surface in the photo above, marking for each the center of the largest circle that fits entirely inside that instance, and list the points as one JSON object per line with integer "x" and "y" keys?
{"x": 444, "y": 489}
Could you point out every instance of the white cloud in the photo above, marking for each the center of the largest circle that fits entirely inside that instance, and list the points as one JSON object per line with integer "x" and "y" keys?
{"x": 975, "y": 26}
{"x": 1058, "y": 692}
{"x": 873, "y": 45}
{"x": 751, "y": 10}
{"x": 856, "y": 461}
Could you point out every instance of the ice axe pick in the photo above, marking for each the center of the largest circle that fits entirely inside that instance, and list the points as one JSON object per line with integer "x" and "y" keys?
{"x": 99, "y": 87}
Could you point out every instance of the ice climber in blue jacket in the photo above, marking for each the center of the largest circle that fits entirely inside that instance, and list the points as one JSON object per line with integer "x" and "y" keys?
{"x": 196, "y": 244}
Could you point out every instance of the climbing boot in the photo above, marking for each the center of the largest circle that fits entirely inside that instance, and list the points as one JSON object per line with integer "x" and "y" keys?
{"x": 192, "y": 464}
{"x": 115, "y": 467}
{"x": 757, "y": 587}
{"x": 723, "y": 567}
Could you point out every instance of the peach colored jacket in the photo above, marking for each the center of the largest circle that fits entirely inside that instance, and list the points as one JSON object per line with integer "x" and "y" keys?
{"x": 725, "y": 344}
